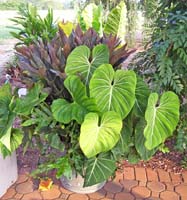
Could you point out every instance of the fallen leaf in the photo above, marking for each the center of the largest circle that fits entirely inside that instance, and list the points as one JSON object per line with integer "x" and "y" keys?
{"x": 45, "y": 184}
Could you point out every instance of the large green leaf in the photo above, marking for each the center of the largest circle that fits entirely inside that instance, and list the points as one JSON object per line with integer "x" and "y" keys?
{"x": 162, "y": 116}
{"x": 142, "y": 94}
{"x": 16, "y": 138}
{"x": 6, "y": 116}
{"x": 117, "y": 21}
{"x": 35, "y": 96}
{"x": 5, "y": 99}
{"x": 80, "y": 61}
{"x": 99, "y": 169}
{"x": 144, "y": 153}
{"x": 92, "y": 16}
{"x": 64, "y": 111}
{"x": 97, "y": 22}
{"x": 113, "y": 90}
{"x": 99, "y": 135}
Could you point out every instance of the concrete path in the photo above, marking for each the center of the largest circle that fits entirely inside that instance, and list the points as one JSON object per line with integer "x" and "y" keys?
{"x": 134, "y": 183}
{"x": 6, "y": 52}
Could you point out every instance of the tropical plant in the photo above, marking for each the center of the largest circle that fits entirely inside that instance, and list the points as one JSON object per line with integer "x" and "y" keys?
{"x": 164, "y": 64}
{"x": 11, "y": 106}
{"x": 31, "y": 27}
{"x": 106, "y": 107}
{"x": 115, "y": 23}
{"x": 47, "y": 62}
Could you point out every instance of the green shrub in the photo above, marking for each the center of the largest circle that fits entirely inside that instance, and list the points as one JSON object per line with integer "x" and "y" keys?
{"x": 31, "y": 27}
{"x": 164, "y": 63}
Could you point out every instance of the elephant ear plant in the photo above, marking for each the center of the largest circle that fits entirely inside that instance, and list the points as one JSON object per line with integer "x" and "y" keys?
{"x": 98, "y": 119}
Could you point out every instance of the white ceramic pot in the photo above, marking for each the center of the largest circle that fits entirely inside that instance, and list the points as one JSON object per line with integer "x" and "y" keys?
{"x": 8, "y": 172}
{"x": 76, "y": 185}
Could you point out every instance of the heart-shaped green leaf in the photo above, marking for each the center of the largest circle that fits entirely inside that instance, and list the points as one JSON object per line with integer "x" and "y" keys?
{"x": 144, "y": 153}
{"x": 113, "y": 90}
{"x": 99, "y": 169}
{"x": 162, "y": 117}
{"x": 80, "y": 61}
{"x": 117, "y": 21}
{"x": 141, "y": 94}
{"x": 64, "y": 111}
{"x": 99, "y": 135}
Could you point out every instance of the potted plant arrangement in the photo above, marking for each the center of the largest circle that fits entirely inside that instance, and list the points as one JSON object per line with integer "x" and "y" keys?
{"x": 109, "y": 115}
{"x": 92, "y": 113}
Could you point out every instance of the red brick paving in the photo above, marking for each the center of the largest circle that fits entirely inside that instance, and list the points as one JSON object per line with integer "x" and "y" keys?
{"x": 132, "y": 184}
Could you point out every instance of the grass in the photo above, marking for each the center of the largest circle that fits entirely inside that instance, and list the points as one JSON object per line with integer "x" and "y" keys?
{"x": 5, "y": 32}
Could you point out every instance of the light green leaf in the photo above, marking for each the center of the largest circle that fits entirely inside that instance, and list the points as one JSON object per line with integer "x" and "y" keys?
{"x": 142, "y": 94}
{"x": 144, "y": 153}
{"x": 64, "y": 111}
{"x": 16, "y": 138}
{"x": 162, "y": 116}
{"x": 6, "y": 116}
{"x": 99, "y": 169}
{"x": 81, "y": 62}
{"x": 99, "y": 135}
{"x": 113, "y": 90}
{"x": 97, "y": 22}
{"x": 117, "y": 22}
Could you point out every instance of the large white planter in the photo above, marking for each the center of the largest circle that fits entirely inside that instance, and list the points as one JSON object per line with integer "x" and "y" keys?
{"x": 76, "y": 184}
{"x": 8, "y": 172}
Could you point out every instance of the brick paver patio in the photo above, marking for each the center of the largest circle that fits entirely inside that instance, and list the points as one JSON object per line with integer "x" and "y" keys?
{"x": 134, "y": 183}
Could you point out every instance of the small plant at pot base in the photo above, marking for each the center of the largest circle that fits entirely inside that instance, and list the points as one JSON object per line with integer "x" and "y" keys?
{"x": 110, "y": 115}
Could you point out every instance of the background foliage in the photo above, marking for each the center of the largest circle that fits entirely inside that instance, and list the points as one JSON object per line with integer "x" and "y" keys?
{"x": 164, "y": 63}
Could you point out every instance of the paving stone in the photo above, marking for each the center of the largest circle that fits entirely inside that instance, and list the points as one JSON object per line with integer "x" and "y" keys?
{"x": 9, "y": 194}
{"x": 24, "y": 188}
{"x": 184, "y": 175}
{"x": 182, "y": 189}
{"x": 52, "y": 193}
{"x": 154, "y": 198}
{"x": 64, "y": 191}
{"x": 63, "y": 197}
{"x": 169, "y": 195}
{"x": 124, "y": 196}
{"x": 98, "y": 195}
{"x": 22, "y": 178}
{"x": 141, "y": 192}
{"x": 171, "y": 186}
{"x": 155, "y": 194}
{"x": 32, "y": 196}
{"x": 113, "y": 187}
{"x": 140, "y": 174}
{"x": 18, "y": 196}
{"x": 142, "y": 183}
{"x": 129, "y": 173}
{"x": 163, "y": 176}
{"x": 110, "y": 195}
{"x": 119, "y": 176}
{"x": 129, "y": 184}
{"x": 105, "y": 199}
{"x": 176, "y": 178}
{"x": 156, "y": 186}
{"x": 78, "y": 196}
{"x": 151, "y": 175}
